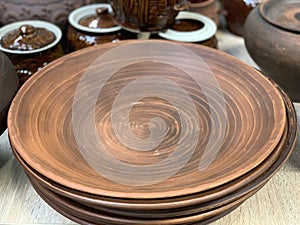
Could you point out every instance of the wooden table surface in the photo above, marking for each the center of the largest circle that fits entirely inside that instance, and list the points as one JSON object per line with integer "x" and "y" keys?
{"x": 277, "y": 203}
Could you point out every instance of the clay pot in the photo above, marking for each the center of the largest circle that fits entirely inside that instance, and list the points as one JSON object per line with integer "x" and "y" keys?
{"x": 272, "y": 38}
{"x": 30, "y": 45}
{"x": 236, "y": 13}
{"x": 8, "y": 86}
{"x": 93, "y": 25}
{"x": 192, "y": 27}
{"x": 147, "y": 15}
{"x": 54, "y": 11}
{"x": 209, "y": 8}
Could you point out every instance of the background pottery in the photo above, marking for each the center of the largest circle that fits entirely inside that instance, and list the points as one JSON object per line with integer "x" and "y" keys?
{"x": 33, "y": 50}
{"x": 8, "y": 87}
{"x": 147, "y": 15}
{"x": 209, "y": 8}
{"x": 54, "y": 11}
{"x": 100, "y": 28}
{"x": 274, "y": 43}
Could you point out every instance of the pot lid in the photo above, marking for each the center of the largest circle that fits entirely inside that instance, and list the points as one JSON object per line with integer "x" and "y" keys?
{"x": 27, "y": 38}
{"x": 30, "y": 36}
{"x": 284, "y": 14}
{"x": 101, "y": 19}
{"x": 94, "y": 18}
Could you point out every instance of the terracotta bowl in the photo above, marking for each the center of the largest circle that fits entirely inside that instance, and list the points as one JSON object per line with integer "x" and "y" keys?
{"x": 273, "y": 41}
{"x": 253, "y": 126}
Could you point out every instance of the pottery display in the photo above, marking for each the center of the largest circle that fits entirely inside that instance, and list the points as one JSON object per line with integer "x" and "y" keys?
{"x": 92, "y": 25}
{"x": 253, "y": 147}
{"x": 236, "y": 13}
{"x": 209, "y": 8}
{"x": 192, "y": 27}
{"x": 30, "y": 45}
{"x": 147, "y": 15}
{"x": 8, "y": 87}
{"x": 53, "y": 11}
{"x": 273, "y": 41}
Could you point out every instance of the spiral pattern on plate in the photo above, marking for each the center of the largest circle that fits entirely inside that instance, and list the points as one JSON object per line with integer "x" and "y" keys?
{"x": 41, "y": 131}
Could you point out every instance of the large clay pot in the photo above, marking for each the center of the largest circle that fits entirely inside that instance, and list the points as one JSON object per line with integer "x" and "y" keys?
{"x": 54, "y": 11}
{"x": 8, "y": 87}
{"x": 272, "y": 38}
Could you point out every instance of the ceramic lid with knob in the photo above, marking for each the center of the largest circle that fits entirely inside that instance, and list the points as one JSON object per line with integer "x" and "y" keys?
{"x": 284, "y": 14}
{"x": 190, "y": 27}
{"x": 95, "y": 18}
{"x": 31, "y": 36}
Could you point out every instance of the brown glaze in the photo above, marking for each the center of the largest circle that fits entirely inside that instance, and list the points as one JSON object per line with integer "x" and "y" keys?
{"x": 26, "y": 38}
{"x": 256, "y": 114}
{"x": 274, "y": 49}
{"x": 8, "y": 87}
{"x": 54, "y": 11}
{"x": 102, "y": 19}
{"x": 209, "y": 8}
{"x": 147, "y": 15}
{"x": 187, "y": 25}
{"x": 236, "y": 14}
{"x": 28, "y": 64}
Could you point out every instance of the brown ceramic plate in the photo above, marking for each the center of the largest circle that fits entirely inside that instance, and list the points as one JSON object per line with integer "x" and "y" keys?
{"x": 41, "y": 120}
{"x": 285, "y": 14}
{"x": 100, "y": 217}
{"x": 168, "y": 207}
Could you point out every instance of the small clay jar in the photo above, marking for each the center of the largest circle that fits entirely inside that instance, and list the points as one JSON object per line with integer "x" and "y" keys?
{"x": 53, "y": 11}
{"x": 92, "y": 25}
{"x": 30, "y": 45}
{"x": 192, "y": 27}
{"x": 236, "y": 13}
{"x": 8, "y": 87}
{"x": 272, "y": 38}
{"x": 147, "y": 15}
{"x": 209, "y": 8}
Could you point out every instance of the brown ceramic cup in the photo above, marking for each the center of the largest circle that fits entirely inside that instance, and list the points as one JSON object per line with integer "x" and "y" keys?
{"x": 146, "y": 15}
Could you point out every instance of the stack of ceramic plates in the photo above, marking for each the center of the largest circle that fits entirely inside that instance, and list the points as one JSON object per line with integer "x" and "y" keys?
{"x": 150, "y": 132}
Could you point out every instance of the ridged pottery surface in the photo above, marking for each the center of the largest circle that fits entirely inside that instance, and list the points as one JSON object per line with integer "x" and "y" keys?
{"x": 254, "y": 122}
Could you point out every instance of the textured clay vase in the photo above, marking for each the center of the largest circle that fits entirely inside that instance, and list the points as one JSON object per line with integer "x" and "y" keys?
{"x": 30, "y": 45}
{"x": 272, "y": 38}
{"x": 147, "y": 15}
{"x": 54, "y": 11}
{"x": 8, "y": 87}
